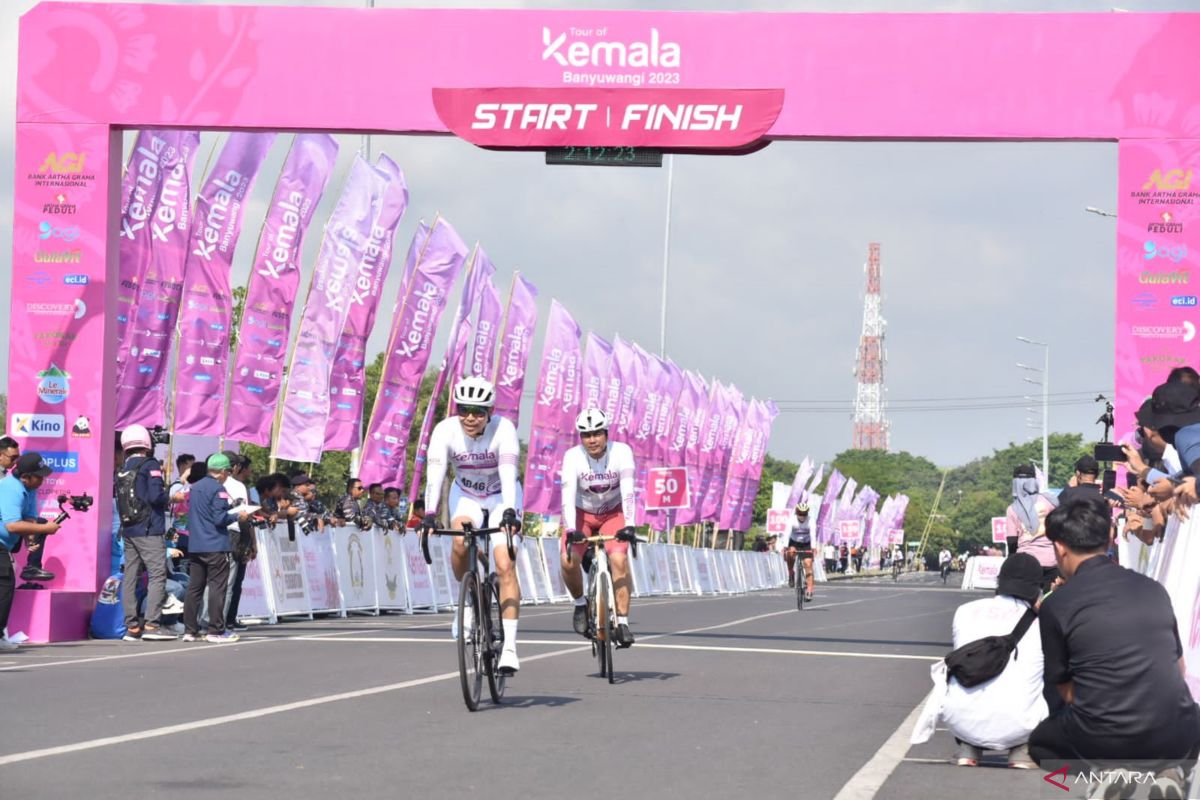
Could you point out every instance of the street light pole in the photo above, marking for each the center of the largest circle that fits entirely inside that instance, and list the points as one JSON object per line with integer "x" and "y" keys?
{"x": 1045, "y": 403}
{"x": 1099, "y": 211}
{"x": 662, "y": 347}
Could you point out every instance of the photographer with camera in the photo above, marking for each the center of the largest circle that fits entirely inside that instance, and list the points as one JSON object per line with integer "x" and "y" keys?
{"x": 18, "y": 518}
{"x": 142, "y": 505}
{"x": 1084, "y": 482}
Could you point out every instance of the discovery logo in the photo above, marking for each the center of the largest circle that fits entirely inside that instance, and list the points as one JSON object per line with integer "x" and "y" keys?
{"x": 1185, "y": 331}
{"x": 38, "y": 426}
{"x": 61, "y": 461}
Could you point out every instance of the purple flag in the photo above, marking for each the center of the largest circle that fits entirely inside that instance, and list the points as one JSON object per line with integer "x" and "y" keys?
{"x": 480, "y": 269}
{"x": 520, "y": 321}
{"x": 348, "y": 234}
{"x": 439, "y": 257}
{"x": 487, "y": 330}
{"x": 628, "y": 376}
{"x": 597, "y": 362}
{"x": 739, "y": 465}
{"x": 202, "y": 359}
{"x": 714, "y": 422}
{"x": 731, "y": 420}
{"x": 758, "y": 452}
{"x": 273, "y": 287}
{"x": 141, "y": 396}
{"x": 800, "y": 482}
{"x": 554, "y": 411}
{"x": 828, "y": 504}
{"x": 697, "y": 406}
{"x": 152, "y": 156}
{"x": 650, "y": 385}
{"x": 347, "y": 379}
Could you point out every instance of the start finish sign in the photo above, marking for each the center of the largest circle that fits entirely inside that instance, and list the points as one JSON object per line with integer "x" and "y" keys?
{"x": 667, "y": 487}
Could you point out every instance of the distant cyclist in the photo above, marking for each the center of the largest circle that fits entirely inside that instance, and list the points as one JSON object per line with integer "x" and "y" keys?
{"x": 597, "y": 497}
{"x": 944, "y": 562}
{"x": 800, "y": 546}
{"x": 484, "y": 450}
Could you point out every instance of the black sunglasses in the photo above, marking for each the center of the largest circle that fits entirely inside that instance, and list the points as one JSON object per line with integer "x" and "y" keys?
{"x": 472, "y": 411}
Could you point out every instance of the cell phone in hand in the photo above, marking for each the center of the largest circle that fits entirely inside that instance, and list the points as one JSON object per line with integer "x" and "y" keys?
{"x": 1107, "y": 451}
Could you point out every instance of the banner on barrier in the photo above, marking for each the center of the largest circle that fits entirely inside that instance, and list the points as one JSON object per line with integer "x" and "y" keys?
{"x": 420, "y": 580}
{"x": 321, "y": 571}
{"x": 539, "y": 569}
{"x": 550, "y": 554}
{"x": 391, "y": 587}
{"x": 704, "y": 577}
{"x": 289, "y": 584}
{"x": 255, "y": 600}
{"x": 356, "y": 574}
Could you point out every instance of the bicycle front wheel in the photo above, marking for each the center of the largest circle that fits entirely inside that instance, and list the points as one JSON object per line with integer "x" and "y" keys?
{"x": 470, "y": 640}
{"x": 605, "y": 625}
{"x": 801, "y": 582}
{"x": 495, "y": 635}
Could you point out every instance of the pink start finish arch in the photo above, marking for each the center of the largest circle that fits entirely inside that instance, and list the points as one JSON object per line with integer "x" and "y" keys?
{"x": 533, "y": 78}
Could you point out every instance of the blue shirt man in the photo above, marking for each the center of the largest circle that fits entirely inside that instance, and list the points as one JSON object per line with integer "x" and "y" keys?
{"x": 209, "y": 515}
{"x": 18, "y": 517}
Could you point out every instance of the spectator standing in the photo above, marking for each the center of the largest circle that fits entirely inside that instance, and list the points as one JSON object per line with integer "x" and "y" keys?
{"x": 1083, "y": 484}
{"x": 1112, "y": 653}
{"x": 18, "y": 518}
{"x": 243, "y": 543}
{"x": 349, "y": 509}
{"x": 209, "y": 515}
{"x": 1000, "y": 714}
{"x": 416, "y": 514}
{"x": 1026, "y": 521}
{"x": 142, "y": 502}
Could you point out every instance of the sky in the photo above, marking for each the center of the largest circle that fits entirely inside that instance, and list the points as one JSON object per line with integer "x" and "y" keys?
{"x": 980, "y": 243}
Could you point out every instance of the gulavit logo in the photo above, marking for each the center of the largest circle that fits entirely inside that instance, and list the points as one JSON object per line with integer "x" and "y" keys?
{"x": 570, "y": 50}
{"x": 41, "y": 426}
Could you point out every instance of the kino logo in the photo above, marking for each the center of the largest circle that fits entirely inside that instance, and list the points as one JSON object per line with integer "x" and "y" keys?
{"x": 41, "y": 426}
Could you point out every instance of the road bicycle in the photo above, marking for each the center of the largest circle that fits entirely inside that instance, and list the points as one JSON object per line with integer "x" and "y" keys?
{"x": 601, "y": 598}
{"x": 480, "y": 639}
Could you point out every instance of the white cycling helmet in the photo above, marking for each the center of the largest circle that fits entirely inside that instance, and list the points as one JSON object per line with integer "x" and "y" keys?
{"x": 475, "y": 391}
{"x": 591, "y": 420}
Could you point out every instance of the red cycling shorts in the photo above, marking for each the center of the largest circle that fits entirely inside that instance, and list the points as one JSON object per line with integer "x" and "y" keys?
{"x": 590, "y": 524}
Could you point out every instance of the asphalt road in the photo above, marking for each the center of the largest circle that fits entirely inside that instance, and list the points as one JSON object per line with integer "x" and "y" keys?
{"x": 721, "y": 697}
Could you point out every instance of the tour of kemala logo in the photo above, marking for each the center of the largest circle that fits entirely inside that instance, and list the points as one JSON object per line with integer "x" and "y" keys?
{"x": 54, "y": 385}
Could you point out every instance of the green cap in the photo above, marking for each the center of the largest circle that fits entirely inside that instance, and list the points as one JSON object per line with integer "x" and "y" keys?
{"x": 218, "y": 461}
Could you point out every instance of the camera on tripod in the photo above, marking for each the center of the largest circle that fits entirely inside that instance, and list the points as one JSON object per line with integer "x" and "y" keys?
{"x": 159, "y": 435}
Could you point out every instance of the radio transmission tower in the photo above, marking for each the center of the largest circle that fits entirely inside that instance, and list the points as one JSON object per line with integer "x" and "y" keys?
{"x": 870, "y": 425}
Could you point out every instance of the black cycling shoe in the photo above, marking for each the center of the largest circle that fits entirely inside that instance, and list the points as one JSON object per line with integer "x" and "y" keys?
{"x": 580, "y": 621}
{"x": 35, "y": 574}
{"x": 624, "y": 636}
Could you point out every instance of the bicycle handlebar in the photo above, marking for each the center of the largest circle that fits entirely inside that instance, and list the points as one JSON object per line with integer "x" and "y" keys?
{"x": 594, "y": 540}
{"x": 467, "y": 532}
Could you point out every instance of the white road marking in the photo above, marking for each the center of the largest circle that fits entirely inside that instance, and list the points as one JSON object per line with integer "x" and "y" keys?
{"x": 641, "y": 644}
{"x": 257, "y": 713}
{"x": 197, "y": 647}
{"x": 867, "y": 781}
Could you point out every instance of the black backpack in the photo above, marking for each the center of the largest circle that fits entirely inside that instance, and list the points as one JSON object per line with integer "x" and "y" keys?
{"x": 132, "y": 509}
{"x": 983, "y": 659}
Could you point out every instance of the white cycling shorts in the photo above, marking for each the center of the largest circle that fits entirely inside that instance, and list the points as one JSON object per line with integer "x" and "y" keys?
{"x": 463, "y": 505}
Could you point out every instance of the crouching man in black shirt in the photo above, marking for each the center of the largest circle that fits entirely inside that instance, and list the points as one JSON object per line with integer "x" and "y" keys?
{"x": 1112, "y": 652}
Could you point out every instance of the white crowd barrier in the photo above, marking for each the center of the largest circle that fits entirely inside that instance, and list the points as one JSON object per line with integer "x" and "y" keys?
{"x": 981, "y": 572}
{"x": 346, "y": 570}
{"x": 1175, "y": 563}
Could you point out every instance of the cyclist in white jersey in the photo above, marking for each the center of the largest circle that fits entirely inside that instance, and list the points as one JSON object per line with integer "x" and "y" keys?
{"x": 597, "y": 497}
{"x": 484, "y": 451}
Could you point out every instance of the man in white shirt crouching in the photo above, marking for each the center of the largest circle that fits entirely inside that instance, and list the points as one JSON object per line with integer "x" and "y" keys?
{"x": 1001, "y": 713}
